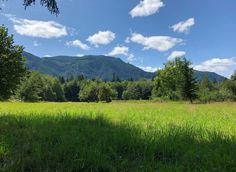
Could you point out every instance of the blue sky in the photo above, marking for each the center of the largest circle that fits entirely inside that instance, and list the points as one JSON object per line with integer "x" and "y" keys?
{"x": 146, "y": 33}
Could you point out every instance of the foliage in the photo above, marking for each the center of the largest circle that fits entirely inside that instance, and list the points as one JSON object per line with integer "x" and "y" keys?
{"x": 39, "y": 87}
{"x": 12, "y": 62}
{"x": 89, "y": 92}
{"x": 50, "y": 4}
{"x": 176, "y": 81}
{"x": 233, "y": 77}
{"x": 72, "y": 89}
{"x": 104, "y": 92}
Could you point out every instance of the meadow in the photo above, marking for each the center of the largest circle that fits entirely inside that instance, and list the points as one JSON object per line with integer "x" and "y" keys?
{"x": 119, "y": 136}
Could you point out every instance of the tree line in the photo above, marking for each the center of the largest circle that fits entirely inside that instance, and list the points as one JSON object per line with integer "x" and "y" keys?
{"x": 175, "y": 81}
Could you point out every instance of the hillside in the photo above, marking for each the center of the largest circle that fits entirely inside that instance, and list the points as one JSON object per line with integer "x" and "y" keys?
{"x": 96, "y": 66}
{"x": 90, "y": 66}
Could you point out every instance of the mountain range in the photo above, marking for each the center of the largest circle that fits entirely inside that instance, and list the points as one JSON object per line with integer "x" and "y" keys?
{"x": 92, "y": 66}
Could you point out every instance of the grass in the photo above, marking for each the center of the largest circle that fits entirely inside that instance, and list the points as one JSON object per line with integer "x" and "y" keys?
{"x": 120, "y": 136}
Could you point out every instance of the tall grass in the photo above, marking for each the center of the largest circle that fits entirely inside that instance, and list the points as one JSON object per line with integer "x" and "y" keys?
{"x": 130, "y": 136}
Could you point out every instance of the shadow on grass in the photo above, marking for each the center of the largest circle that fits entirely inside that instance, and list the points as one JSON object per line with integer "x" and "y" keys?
{"x": 84, "y": 144}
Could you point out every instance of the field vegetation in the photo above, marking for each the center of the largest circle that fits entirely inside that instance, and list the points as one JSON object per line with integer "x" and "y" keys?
{"x": 119, "y": 136}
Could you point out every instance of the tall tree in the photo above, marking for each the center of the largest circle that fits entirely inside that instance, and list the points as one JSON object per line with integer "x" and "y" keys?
{"x": 12, "y": 64}
{"x": 176, "y": 81}
{"x": 186, "y": 82}
{"x": 51, "y": 5}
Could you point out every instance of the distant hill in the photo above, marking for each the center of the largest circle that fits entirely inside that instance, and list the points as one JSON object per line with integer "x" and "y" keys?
{"x": 90, "y": 66}
{"x": 96, "y": 66}
{"x": 214, "y": 77}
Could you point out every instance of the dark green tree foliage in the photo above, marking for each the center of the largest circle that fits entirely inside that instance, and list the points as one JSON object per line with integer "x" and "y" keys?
{"x": 176, "y": 81}
{"x": 40, "y": 87}
{"x": 12, "y": 67}
{"x": 146, "y": 87}
{"x": 133, "y": 91}
{"x": 186, "y": 83}
{"x": 233, "y": 77}
{"x": 104, "y": 92}
{"x": 89, "y": 91}
{"x": 51, "y": 5}
{"x": 58, "y": 89}
{"x": 72, "y": 89}
{"x": 205, "y": 90}
{"x": 118, "y": 88}
{"x": 228, "y": 90}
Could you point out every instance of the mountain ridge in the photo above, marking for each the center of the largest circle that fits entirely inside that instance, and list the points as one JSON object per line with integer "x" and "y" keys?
{"x": 92, "y": 66}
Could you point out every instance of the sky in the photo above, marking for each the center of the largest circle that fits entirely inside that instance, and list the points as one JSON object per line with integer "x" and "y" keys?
{"x": 146, "y": 33}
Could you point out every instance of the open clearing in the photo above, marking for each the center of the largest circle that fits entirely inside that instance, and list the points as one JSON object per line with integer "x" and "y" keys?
{"x": 120, "y": 136}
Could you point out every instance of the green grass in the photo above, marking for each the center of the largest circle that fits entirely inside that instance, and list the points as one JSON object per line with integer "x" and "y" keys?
{"x": 120, "y": 136}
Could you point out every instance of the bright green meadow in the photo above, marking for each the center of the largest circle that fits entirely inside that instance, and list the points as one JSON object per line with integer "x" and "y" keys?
{"x": 119, "y": 136}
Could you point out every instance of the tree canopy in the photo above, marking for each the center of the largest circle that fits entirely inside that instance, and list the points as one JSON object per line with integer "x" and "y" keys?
{"x": 51, "y": 5}
{"x": 12, "y": 67}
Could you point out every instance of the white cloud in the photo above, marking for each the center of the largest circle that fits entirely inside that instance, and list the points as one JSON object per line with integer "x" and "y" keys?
{"x": 159, "y": 43}
{"x": 37, "y": 28}
{"x": 176, "y": 54}
{"x": 122, "y": 50}
{"x": 47, "y": 55}
{"x": 78, "y": 43}
{"x": 102, "y": 37}
{"x": 79, "y": 55}
{"x": 183, "y": 26}
{"x": 149, "y": 69}
{"x": 216, "y": 65}
{"x": 36, "y": 44}
{"x": 131, "y": 57}
{"x": 146, "y": 8}
{"x": 119, "y": 50}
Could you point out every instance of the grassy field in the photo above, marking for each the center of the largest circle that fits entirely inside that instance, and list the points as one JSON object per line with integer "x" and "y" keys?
{"x": 120, "y": 136}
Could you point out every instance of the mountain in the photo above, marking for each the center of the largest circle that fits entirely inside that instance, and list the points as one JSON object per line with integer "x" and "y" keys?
{"x": 90, "y": 66}
{"x": 96, "y": 66}
{"x": 212, "y": 76}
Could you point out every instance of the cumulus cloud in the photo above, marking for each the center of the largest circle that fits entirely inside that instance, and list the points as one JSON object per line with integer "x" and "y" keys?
{"x": 122, "y": 50}
{"x": 159, "y": 43}
{"x": 183, "y": 26}
{"x": 146, "y": 8}
{"x": 37, "y": 28}
{"x": 176, "y": 54}
{"x": 216, "y": 65}
{"x": 119, "y": 50}
{"x": 78, "y": 43}
{"x": 148, "y": 68}
{"x": 102, "y": 37}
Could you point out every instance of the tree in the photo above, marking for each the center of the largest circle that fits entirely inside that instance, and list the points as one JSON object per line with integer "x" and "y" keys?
{"x": 233, "y": 77}
{"x": 40, "y": 87}
{"x": 57, "y": 88}
{"x": 104, "y": 92}
{"x": 133, "y": 92}
{"x": 176, "y": 81}
{"x": 205, "y": 88}
{"x": 89, "y": 91}
{"x": 12, "y": 64}
{"x": 72, "y": 89}
{"x": 186, "y": 82}
{"x": 51, "y": 5}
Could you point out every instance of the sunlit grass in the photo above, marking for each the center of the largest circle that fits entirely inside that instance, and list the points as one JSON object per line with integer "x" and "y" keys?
{"x": 120, "y": 136}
